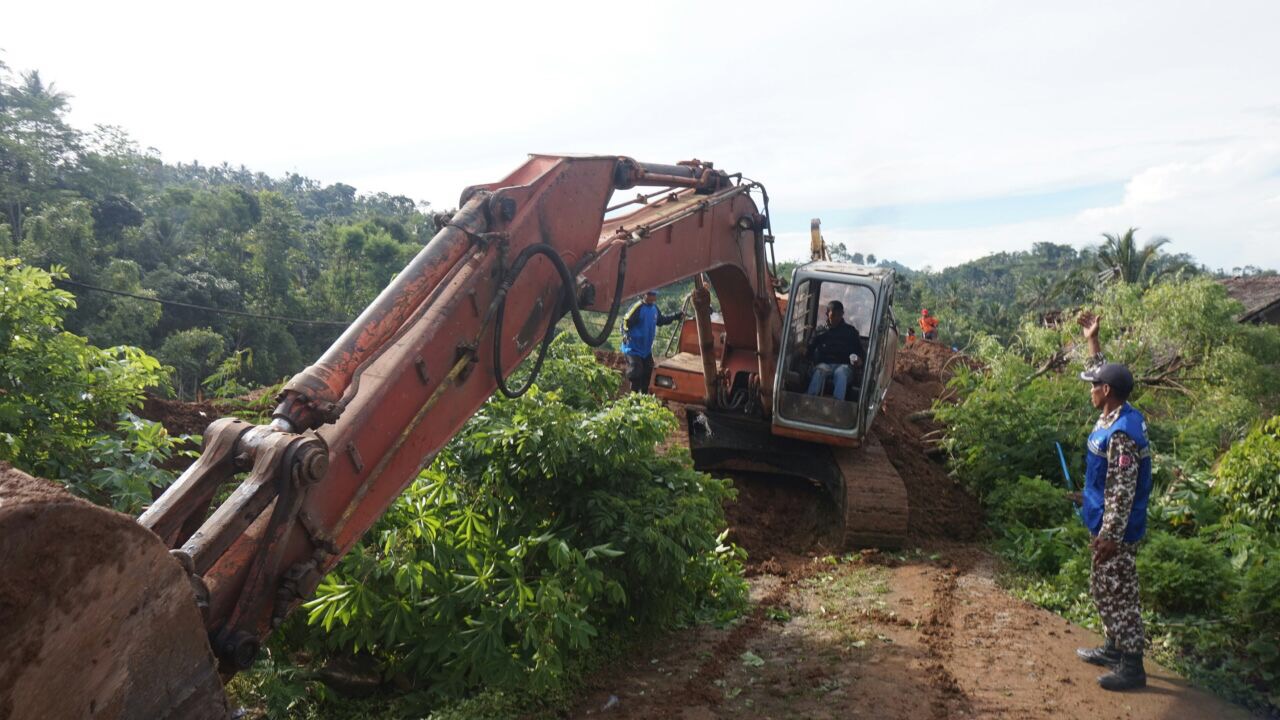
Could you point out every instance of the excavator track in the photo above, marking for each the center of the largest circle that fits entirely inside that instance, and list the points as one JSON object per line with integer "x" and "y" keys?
{"x": 874, "y": 504}
{"x": 864, "y": 486}
{"x": 96, "y": 618}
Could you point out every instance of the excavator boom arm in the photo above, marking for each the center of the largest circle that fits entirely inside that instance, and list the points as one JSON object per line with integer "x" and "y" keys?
{"x": 355, "y": 428}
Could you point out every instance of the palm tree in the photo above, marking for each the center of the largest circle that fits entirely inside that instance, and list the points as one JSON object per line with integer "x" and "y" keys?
{"x": 1121, "y": 260}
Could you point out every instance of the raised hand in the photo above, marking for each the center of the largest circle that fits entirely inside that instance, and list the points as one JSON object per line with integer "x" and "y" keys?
{"x": 1089, "y": 322}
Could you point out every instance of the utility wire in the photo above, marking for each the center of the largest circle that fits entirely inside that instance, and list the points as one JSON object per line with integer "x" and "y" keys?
{"x": 223, "y": 311}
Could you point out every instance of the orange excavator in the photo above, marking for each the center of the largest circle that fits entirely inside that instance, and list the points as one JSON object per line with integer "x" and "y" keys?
{"x": 103, "y": 616}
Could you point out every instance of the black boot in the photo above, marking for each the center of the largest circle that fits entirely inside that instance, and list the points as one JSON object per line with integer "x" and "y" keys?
{"x": 1106, "y": 656}
{"x": 1126, "y": 675}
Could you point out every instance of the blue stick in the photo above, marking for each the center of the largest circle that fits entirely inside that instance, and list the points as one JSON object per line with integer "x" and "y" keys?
{"x": 1063, "y": 459}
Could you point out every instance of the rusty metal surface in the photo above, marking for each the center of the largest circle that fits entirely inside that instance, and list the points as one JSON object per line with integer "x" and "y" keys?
{"x": 192, "y": 492}
{"x": 313, "y": 396}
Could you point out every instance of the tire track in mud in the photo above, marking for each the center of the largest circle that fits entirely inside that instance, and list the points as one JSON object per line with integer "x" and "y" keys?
{"x": 701, "y": 684}
{"x": 937, "y": 633}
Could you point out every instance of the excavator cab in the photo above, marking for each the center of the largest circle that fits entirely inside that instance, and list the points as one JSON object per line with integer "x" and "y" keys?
{"x": 866, "y": 294}
{"x": 816, "y": 438}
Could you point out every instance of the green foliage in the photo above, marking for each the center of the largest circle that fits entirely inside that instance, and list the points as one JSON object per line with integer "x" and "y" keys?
{"x": 1204, "y": 380}
{"x": 1029, "y": 501}
{"x": 1183, "y": 575}
{"x": 1258, "y": 607}
{"x": 58, "y": 393}
{"x": 193, "y": 354}
{"x": 1007, "y": 426}
{"x": 547, "y": 521}
{"x": 1249, "y": 477}
{"x": 1042, "y": 551}
{"x": 114, "y": 216}
{"x": 1119, "y": 259}
{"x": 130, "y": 464}
{"x": 225, "y": 381}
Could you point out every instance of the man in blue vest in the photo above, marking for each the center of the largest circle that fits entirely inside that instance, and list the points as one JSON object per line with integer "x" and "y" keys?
{"x": 1117, "y": 487}
{"x": 639, "y": 328}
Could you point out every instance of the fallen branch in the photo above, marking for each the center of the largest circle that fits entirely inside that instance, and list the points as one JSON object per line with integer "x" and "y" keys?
{"x": 1056, "y": 361}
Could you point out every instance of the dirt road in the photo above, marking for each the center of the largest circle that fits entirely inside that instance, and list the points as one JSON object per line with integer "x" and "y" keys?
{"x": 926, "y": 634}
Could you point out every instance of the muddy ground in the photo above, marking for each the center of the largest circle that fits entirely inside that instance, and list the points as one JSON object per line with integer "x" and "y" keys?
{"x": 924, "y": 633}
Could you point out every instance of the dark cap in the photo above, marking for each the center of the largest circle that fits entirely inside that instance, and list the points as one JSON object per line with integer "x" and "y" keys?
{"x": 1113, "y": 374}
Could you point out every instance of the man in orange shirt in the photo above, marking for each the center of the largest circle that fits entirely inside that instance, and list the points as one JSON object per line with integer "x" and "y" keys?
{"x": 929, "y": 324}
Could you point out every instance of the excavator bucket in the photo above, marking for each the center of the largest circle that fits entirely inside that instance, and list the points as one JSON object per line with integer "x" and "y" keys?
{"x": 867, "y": 491}
{"x": 97, "y": 620}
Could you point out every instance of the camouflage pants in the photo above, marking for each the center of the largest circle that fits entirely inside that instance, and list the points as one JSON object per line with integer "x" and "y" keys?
{"x": 1114, "y": 587}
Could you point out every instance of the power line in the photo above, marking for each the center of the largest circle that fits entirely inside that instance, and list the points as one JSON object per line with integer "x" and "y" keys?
{"x": 206, "y": 308}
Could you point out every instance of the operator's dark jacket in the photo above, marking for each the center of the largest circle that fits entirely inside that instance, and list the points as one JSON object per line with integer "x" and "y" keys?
{"x": 835, "y": 343}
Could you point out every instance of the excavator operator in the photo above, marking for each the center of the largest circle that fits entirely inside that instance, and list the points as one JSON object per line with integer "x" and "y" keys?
{"x": 639, "y": 328}
{"x": 834, "y": 350}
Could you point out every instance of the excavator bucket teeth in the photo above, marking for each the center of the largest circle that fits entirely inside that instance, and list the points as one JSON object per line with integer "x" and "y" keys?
{"x": 863, "y": 485}
{"x": 97, "y": 620}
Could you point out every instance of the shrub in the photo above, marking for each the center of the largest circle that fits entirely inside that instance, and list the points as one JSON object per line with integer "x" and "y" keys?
{"x": 1043, "y": 551}
{"x": 1183, "y": 575}
{"x": 547, "y": 521}
{"x": 60, "y": 397}
{"x": 1258, "y": 610}
{"x": 1249, "y": 478}
{"x": 1029, "y": 501}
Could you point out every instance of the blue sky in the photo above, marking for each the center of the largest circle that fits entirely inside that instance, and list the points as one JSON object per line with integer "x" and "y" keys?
{"x": 965, "y": 214}
{"x": 930, "y": 133}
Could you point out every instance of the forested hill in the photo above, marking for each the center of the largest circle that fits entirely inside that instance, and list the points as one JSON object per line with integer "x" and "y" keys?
{"x": 993, "y": 294}
{"x": 117, "y": 217}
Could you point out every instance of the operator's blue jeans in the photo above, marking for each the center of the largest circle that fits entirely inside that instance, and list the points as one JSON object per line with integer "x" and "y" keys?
{"x": 822, "y": 371}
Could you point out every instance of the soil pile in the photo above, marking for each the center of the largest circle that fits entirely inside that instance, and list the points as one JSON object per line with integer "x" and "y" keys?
{"x": 180, "y": 418}
{"x": 94, "y": 614}
{"x": 940, "y": 508}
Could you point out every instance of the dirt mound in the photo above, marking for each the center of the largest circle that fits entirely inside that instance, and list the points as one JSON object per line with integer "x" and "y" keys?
{"x": 95, "y": 614}
{"x": 939, "y": 507}
{"x": 780, "y": 522}
{"x": 180, "y": 418}
{"x": 612, "y": 360}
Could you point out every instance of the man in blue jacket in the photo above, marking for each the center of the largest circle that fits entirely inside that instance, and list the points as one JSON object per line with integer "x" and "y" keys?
{"x": 1117, "y": 487}
{"x": 639, "y": 328}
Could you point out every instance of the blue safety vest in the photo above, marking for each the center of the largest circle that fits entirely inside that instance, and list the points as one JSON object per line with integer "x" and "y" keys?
{"x": 644, "y": 320}
{"x": 1131, "y": 423}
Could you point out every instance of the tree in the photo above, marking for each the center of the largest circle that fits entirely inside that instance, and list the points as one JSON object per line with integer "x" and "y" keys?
{"x": 117, "y": 319}
{"x": 194, "y": 354}
{"x": 1121, "y": 260}
{"x": 58, "y": 392}
{"x": 37, "y": 147}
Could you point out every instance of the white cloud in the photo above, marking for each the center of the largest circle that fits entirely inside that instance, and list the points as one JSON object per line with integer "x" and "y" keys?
{"x": 1221, "y": 208}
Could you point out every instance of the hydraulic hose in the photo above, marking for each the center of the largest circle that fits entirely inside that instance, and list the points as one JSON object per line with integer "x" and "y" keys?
{"x": 567, "y": 297}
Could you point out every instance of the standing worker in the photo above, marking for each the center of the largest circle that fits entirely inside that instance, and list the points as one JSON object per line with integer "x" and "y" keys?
{"x": 928, "y": 325}
{"x": 1116, "y": 489}
{"x": 911, "y": 335}
{"x": 639, "y": 328}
